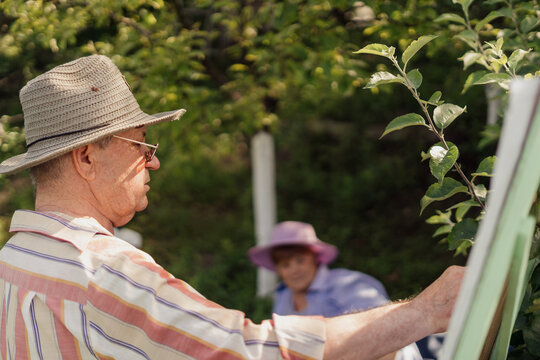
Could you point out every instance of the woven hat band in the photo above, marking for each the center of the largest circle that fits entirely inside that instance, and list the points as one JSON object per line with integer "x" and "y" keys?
{"x": 65, "y": 134}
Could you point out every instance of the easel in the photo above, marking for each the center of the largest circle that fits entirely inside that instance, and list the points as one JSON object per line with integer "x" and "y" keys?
{"x": 497, "y": 268}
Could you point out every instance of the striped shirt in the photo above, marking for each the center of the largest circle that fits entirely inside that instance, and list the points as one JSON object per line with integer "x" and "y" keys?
{"x": 71, "y": 290}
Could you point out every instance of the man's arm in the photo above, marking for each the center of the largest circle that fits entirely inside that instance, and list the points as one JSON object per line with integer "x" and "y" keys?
{"x": 376, "y": 332}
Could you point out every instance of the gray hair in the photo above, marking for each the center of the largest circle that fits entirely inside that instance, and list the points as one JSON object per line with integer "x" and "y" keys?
{"x": 52, "y": 169}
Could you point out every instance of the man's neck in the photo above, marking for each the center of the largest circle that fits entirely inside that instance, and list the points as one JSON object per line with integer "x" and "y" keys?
{"x": 73, "y": 207}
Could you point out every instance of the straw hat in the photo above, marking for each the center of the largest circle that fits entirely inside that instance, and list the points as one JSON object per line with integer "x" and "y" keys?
{"x": 73, "y": 105}
{"x": 292, "y": 233}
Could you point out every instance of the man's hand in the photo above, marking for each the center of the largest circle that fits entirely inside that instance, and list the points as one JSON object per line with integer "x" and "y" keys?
{"x": 379, "y": 331}
{"x": 437, "y": 300}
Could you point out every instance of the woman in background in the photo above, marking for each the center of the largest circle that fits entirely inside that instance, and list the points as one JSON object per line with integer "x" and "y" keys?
{"x": 309, "y": 287}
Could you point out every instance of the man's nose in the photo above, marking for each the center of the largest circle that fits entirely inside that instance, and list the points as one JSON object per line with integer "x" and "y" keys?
{"x": 154, "y": 164}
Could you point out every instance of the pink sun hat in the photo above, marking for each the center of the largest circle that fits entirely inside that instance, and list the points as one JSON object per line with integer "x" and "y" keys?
{"x": 292, "y": 233}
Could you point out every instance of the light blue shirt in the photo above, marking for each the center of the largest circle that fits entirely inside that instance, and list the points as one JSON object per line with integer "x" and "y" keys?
{"x": 334, "y": 292}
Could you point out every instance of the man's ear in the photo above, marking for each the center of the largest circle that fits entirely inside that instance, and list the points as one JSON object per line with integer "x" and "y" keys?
{"x": 84, "y": 161}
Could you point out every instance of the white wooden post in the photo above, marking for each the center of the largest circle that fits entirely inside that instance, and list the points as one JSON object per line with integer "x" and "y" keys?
{"x": 264, "y": 201}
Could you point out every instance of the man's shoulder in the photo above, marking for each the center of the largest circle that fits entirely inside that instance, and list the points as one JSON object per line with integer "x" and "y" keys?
{"x": 83, "y": 234}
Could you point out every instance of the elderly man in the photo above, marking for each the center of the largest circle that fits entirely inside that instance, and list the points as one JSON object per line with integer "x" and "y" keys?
{"x": 69, "y": 288}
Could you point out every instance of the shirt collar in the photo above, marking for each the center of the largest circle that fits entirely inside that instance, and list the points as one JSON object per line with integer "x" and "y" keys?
{"x": 320, "y": 280}
{"x": 77, "y": 231}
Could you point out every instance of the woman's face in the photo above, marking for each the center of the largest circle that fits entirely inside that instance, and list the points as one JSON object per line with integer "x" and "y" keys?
{"x": 298, "y": 271}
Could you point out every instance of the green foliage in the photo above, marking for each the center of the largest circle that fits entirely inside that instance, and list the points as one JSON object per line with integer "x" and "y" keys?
{"x": 440, "y": 191}
{"x": 445, "y": 114}
{"x": 403, "y": 121}
{"x": 462, "y": 235}
{"x": 284, "y": 66}
{"x": 414, "y": 47}
{"x": 517, "y": 37}
{"x": 442, "y": 160}
{"x": 287, "y": 67}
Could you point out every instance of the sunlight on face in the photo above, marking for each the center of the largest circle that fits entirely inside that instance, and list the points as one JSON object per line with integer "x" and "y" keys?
{"x": 124, "y": 176}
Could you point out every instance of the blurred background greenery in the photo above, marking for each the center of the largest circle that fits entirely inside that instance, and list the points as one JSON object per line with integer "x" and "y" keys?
{"x": 242, "y": 66}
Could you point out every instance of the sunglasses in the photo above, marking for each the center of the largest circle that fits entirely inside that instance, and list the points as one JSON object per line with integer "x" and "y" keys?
{"x": 150, "y": 151}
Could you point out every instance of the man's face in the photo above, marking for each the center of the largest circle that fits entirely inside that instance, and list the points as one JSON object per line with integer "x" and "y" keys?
{"x": 298, "y": 271}
{"x": 122, "y": 177}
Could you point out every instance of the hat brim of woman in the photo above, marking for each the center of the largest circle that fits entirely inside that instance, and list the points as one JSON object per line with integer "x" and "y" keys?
{"x": 56, "y": 146}
{"x": 260, "y": 255}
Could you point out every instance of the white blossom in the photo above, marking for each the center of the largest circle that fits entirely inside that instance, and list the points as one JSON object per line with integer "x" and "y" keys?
{"x": 437, "y": 153}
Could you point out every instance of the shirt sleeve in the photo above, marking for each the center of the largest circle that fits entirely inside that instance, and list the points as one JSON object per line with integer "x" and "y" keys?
{"x": 136, "y": 309}
{"x": 355, "y": 291}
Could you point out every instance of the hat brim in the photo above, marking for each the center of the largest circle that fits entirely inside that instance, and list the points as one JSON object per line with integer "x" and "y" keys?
{"x": 54, "y": 147}
{"x": 260, "y": 255}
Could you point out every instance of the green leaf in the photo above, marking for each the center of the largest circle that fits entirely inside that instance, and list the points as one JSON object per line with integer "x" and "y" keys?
{"x": 485, "y": 168}
{"x": 472, "y": 79}
{"x": 462, "y": 231}
{"x": 452, "y": 18}
{"x": 501, "y": 60}
{"x": 470, "y": 58}
{"x": 493, "y": 78}
{"x": 375, "y": 49}
{"x": 527, "y": 24}
{"x": 402, "y": 121}
{"x": 487, "y": 78}
{"x": 493, "y": 2}
{"x": 414, "y": 47}
{"x": 462, "y": 248}
{"x": 445, "y": 229}
{"x": 480, "y": 191}
{"x": 238, "y": 67}
{"x": 464, "y": 4}
{"x": 442, "y": 160}
{"x": 435, "y": 97}
{"x": 489, "y": 18}
{"x": 461, "y": 211}
{"x": 500, "y": 43}
{"x": 507, "y": 12}
{"x": 516, "y": 57}
{"x": 415, "y": 78}
{"x": 527, "y": 6}
{"x": 424, "y": 156}
{"x": 441, "y": 191}
{"x": 469, "y": 202}
{"x": 383, "y": 77}
{"x": 445, "y": 114}
{"x": 467, "y": 36}
{"x": 497, "y": 47}
{"x": 440, "y": 218}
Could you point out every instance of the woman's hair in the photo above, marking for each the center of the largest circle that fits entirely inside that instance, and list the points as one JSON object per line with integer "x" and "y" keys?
{"x": 284, "y": 252}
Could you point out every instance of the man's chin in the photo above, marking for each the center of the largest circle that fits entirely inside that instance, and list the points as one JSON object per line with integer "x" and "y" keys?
{"x": 124, "y": 220}
{"x": 142, "y": 205}
{"x": 127, "y": 218}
